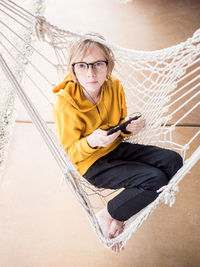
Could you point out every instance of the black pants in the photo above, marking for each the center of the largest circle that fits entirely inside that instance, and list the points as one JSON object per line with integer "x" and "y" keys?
{"x": 141, "y": 170}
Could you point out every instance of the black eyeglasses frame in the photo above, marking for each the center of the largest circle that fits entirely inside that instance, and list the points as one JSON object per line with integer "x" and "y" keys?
{"x": 90, "y": 64}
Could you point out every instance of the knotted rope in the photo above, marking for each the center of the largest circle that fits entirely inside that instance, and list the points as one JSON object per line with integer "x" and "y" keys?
{"x": 169, "y": 194}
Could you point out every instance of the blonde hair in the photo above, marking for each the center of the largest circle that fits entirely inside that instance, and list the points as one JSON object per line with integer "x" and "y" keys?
{"x": 80, "y": 48}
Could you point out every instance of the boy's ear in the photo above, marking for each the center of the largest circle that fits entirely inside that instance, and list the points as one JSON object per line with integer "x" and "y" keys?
{"x": 73, "y": 75}
{"x": 110, "y": 69}
{"x": 113, "y": 67}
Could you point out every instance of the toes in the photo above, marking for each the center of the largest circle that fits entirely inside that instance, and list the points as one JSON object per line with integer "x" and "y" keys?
{"x": 115, "y": 248}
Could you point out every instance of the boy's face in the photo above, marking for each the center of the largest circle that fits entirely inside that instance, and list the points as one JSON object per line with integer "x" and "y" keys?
{"x": 93, "y": 77}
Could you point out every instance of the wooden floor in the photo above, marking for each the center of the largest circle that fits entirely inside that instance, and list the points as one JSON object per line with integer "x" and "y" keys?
{"x": 42, "y": 224}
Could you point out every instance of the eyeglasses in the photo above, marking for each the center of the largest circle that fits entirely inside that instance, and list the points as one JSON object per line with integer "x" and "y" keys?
{"x": 98, "y": 66}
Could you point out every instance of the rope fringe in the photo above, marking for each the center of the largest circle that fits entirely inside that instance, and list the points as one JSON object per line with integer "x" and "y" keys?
{"x": 169, "y": 194}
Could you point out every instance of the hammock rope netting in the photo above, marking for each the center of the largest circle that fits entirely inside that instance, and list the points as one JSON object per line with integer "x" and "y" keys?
{"x": 163, "y": 85}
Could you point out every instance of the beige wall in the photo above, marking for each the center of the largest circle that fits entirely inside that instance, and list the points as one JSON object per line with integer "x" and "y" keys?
{"x": 41, "y": 222}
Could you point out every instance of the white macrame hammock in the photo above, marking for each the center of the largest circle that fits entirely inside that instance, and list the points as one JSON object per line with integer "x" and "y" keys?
{"x": 163, "y": 85}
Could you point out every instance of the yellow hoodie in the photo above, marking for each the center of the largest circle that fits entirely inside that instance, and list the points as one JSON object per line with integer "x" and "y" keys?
{"x": 77, "y": 117}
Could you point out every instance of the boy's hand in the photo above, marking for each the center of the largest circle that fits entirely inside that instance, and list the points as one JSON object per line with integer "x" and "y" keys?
{"x": 135, "y": 126}
{"x": 100, "y": 138}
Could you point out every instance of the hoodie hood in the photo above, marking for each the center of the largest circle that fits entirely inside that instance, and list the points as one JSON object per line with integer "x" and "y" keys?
{"x": 72, "y": 92}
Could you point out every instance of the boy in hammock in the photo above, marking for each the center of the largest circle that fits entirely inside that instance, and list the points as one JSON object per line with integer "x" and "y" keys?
{"x": 89, "y": 102}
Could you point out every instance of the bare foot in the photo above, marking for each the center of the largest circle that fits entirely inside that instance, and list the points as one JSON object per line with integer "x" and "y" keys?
{"x": 116, "y": 227}
{"x": 110, "y": 227}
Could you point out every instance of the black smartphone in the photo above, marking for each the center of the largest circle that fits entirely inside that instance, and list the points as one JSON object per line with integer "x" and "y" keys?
{"x": 122, "y": 126}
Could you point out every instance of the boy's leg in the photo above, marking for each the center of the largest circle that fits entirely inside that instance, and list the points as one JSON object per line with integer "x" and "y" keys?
{"x": 164, "y": 159}
{"x": 141, "y": 181}
{"x": 136, "y": 195}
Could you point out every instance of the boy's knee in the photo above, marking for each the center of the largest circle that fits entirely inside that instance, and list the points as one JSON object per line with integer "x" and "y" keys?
{"x": 178, "y": 160}
{"x": 175, "y": 161}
